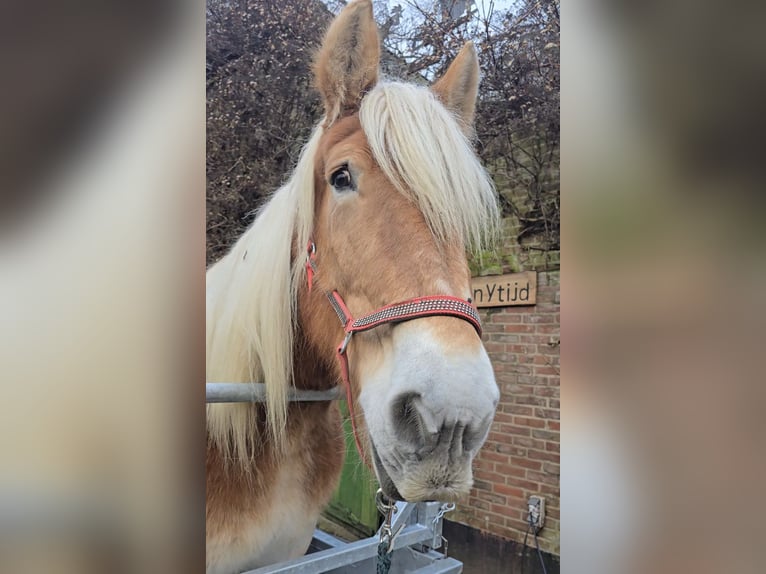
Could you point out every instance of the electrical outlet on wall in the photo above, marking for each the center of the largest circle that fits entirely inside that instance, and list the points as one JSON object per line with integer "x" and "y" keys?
{"x": 536, "y": 512}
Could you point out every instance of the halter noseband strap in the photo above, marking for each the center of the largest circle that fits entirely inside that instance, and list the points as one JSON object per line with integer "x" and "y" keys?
{"x": 415, "y": 308}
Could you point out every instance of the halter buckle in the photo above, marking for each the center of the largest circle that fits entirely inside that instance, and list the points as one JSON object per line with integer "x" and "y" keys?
{"x": 344, "y": 344}
{"x": 311, "y": 249}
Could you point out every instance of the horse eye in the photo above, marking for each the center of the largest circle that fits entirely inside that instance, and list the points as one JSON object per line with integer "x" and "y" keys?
{"x": 341, "y": 178}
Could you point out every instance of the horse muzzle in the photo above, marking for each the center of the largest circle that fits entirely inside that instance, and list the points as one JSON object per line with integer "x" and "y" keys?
{"x": 428, "y": 413}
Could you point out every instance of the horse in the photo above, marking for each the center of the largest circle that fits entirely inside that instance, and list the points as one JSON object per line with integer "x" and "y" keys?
{"x": 367, "y": 244}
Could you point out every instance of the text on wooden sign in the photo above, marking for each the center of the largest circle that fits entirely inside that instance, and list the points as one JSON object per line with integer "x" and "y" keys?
{"x": 505, "y": 290}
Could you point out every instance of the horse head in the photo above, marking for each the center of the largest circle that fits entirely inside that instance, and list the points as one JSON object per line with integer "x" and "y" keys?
{"x": 399, "y": 195}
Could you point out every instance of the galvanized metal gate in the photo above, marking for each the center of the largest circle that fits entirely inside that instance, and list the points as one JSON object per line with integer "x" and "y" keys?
{"x": 418, "y": 533}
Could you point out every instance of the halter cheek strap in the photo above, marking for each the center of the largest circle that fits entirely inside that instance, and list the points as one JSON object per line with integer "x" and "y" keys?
{"x": 415, "y": 308}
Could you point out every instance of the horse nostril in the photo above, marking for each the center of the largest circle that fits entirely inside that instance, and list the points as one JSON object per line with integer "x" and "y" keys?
{"x": 469, "y": 439}
{"x": 407, "y": 421}
{"x": 473, "y": 436}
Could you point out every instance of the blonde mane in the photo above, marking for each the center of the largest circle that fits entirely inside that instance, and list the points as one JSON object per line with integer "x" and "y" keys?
{"x": 252, "y": 291}
{"x": 251, "y": 308}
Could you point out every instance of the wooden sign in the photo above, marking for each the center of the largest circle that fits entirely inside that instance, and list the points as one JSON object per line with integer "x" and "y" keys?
{"x": 505, "y": 290}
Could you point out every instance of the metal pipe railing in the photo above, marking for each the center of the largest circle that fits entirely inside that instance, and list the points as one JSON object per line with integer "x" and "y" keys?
{"x": 256, "y": 393}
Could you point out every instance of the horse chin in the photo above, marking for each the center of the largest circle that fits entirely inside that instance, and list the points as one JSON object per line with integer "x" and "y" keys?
{"x": 419, "y": 486}
{"x": 386, "y": 483}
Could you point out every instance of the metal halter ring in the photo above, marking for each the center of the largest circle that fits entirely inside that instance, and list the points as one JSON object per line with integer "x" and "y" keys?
{"x": 383, "y": 503}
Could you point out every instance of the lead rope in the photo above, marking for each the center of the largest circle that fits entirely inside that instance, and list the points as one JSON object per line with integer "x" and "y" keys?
{"x": 387, "y": 508}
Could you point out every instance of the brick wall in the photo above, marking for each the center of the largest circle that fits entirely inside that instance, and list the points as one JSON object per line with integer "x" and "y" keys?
{"x": 521, "y": 455}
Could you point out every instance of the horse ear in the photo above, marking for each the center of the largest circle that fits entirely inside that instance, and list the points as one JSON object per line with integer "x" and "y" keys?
{"x": 459, "y": 86}
{"x": 347, "y": 64}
